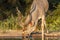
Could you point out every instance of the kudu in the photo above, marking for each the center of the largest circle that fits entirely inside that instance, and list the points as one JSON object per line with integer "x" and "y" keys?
{"x": 38, "y": 10}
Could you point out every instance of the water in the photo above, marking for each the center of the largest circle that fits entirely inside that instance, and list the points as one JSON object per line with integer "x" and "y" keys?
{"x": 47, "y": 38}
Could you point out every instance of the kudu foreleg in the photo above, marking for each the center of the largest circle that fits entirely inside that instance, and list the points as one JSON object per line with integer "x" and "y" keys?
{"x": 42, "y": 26}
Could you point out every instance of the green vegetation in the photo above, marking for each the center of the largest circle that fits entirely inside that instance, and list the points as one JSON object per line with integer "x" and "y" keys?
{"x": 8, "y": 19}
{"x": 10, "y": 23}
{"x": 53, "y": 16}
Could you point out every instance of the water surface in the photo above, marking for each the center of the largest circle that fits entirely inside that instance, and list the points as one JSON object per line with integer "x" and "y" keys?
{"x": 31, "y": 38}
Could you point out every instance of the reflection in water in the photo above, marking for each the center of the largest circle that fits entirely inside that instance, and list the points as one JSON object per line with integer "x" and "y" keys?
{"x": 31, "y": 38}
